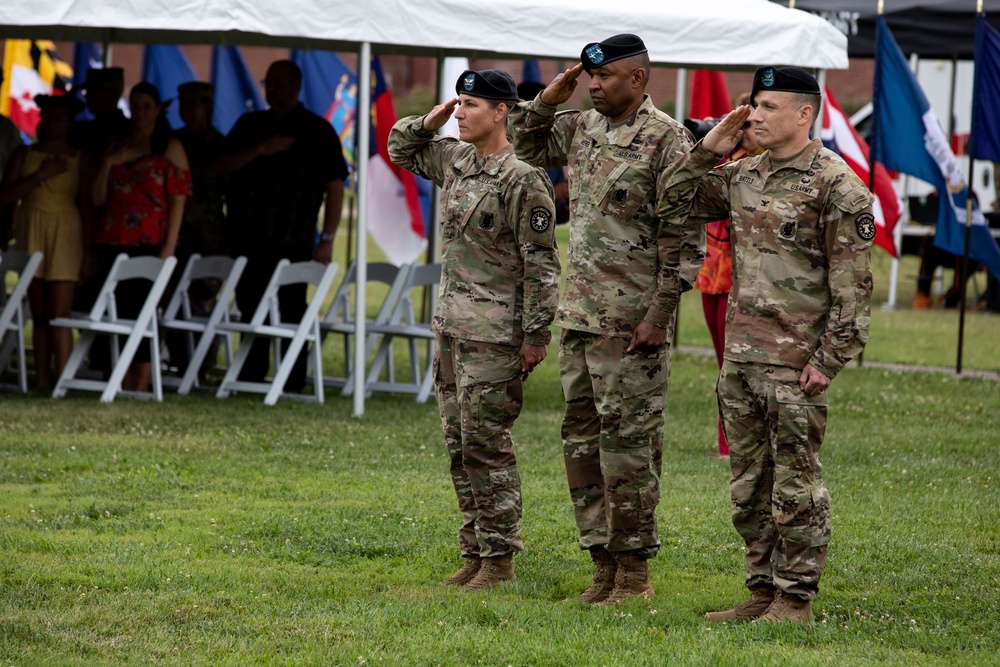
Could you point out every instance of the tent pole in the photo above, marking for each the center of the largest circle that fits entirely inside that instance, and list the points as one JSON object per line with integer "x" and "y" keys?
{"x": 360, "y": 306}
{"x": 965, "y": 272}
{"x": 680, "y": 104}
{"x": 817, "y": 130}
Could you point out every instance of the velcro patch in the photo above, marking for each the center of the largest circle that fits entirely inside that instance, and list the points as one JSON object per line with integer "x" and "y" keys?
{"x": 541, "y": 218}
{"x": 866, "y": 226}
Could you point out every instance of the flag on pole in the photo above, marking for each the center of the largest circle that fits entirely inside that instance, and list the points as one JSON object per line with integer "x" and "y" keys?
{"x": 236, "y": 92}
{"x": 30, "y": 67}
{"x": 907, "y": 137}
{"x": 709, "y": 95}
{"x": 330, "y": 89}
{"x": 530, "y": 71}
{"x": 166, "y": 67}
{"x": 395, "y": 220}
{"x": 86, "y": 56}
{"x": 840, "y": 136}
{"x": 984, "y": 142}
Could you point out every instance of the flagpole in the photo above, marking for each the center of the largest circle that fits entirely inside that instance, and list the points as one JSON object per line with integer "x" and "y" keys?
{"x": 968, "y": 233}
{"x": 364, "y": 124}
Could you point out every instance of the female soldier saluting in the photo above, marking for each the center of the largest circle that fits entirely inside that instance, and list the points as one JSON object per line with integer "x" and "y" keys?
{"x": 498, "y": 293}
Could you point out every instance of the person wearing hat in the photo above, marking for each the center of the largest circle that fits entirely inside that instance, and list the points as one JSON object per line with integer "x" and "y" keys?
{"x": 627, "y": 266}
{"x": 202, "y": 226}
{"x": 103, "y": 89}
{"x": 802, "y": 229}
{"x": 51, "y": 180}
{"x": 497, "y": 298}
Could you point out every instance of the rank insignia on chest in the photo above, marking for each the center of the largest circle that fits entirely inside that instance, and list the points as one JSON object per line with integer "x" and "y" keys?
{"x": 486, "y": 221}
{"x": 866, "y": 226}
{"x": 787, "y": 230}
{"x": 619, "y": 196}
{"x": 541, "y": 218}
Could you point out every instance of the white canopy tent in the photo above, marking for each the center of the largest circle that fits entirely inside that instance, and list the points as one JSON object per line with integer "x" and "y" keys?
{"x": 701, "y": 34}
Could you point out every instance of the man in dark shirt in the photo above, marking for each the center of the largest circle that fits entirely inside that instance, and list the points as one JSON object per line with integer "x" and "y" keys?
{"x": 281, "y": 164}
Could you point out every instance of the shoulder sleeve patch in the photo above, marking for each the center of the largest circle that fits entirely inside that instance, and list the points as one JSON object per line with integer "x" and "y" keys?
{"x": 541, "y": 218}
{"x": 865, "y": 225}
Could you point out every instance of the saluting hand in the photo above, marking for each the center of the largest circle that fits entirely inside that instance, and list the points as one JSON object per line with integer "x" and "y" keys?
{"x": 562, "y": 87}
{"x": 726, "y": 136}
{"x": 439, "y": 115}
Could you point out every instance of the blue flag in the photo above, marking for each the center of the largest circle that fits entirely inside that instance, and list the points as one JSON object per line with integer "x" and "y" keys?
{"x": 984, "y": 142}
{"x": 907, "y": 137}
{"x": 86, "y": 56}
{"x": 531, "y": 72}
{"x": 166, "y": 67}
{"x": 236, "y": 92}
{"x": 330, "y": 90}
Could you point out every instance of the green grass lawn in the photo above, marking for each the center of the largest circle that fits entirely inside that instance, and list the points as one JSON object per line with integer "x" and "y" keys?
{"x": 206, "y": 532}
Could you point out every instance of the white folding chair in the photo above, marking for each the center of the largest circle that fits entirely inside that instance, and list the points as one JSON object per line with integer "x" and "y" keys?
{"x": 402, "y": 324}
{"x": 339, "y": 318}
{"x": 103, "y": 319}
{"x": 14, "y": 311}
{"x": 297, "y": 333}
{"x": 200, "y": 332}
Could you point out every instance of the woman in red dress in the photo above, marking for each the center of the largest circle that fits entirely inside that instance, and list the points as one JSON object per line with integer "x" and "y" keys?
{"x": 142, "y": 183}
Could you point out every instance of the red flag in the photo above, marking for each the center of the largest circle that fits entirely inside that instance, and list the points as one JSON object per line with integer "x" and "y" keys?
{"x": 709, "y": 95}
{"x": 839, "y": 135}
{"x": 395, "y": 220}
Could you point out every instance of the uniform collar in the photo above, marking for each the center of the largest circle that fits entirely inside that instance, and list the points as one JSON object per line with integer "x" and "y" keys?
{"x": 805, "y": 159}
{"x": 625, "y": 133}
{"x": 470, "y": 165}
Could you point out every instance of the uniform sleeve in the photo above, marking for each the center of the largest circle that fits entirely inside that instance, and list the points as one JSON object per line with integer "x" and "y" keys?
{"x": 421, "y": 151}
{"x": 541, "y": 136}
{"x": 333, "y": 166}
{"x": 696, "y": 191}
{"x": 680, "y": 249}
{"x": 850, "y": 228}
{"x": 534, "y": 232}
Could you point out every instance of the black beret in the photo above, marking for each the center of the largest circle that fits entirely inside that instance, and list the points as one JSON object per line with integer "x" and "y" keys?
{"x": 784, "y": 79}
{"x": 194, "y": 90}
{"x": 71, "y": 103}
{"x": 528, "y": 90}
{"x": 599, "y": 54}
{"x": 107, "y": 76}
{"x": 489, "y": 84}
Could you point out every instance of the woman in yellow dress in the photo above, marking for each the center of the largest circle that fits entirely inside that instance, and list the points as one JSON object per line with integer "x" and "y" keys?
{"x": 48, "y": 178}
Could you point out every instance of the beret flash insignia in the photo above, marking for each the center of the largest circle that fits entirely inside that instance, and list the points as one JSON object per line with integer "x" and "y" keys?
{"x": 595, "y": 54}
{"x": 469, "y": 82}
{"x": 541, "y": 218}
{"x": 866, "y": 226}
{"x": 767, "y": 77}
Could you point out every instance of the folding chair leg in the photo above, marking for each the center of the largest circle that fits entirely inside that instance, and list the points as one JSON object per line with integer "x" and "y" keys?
{"x": 233, "y": 372}
{"x": 284, "y": 370}
{"x": 74, "y": 362}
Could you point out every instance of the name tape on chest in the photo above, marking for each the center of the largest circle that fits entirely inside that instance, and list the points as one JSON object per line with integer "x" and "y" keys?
{"x": 747, "y": 179}
{"x": 625, "y": 154}
{"x": 804, "y": 189}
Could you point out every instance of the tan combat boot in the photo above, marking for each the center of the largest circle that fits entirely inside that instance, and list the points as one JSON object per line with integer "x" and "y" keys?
{"x": 604, "y": 576}
{"x": 492, "y": 571}
{"x": 631, "y": 579}
{"x": 468, "y": 570}
{"x": 788, "y": 608}
{"x": 756, "y": 606}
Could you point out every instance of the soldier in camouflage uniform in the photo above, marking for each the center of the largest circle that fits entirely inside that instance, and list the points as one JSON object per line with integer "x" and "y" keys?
{"x": 498, "y": 293}
{"x": 802, "y": 227}
{"x": 627, "y": 266}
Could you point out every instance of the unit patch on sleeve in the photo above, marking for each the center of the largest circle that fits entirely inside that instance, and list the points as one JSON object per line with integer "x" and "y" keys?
{"x": 866, "y": 226}
{"x": 541, "y": 218}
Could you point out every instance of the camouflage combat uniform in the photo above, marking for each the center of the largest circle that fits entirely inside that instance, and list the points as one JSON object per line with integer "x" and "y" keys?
{"x": 499, "y": 287}
{"x": 801, "y": 232}
{"x": 626, "y": 263}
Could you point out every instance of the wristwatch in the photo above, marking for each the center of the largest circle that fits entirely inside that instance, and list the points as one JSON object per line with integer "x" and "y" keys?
{"x": 326, "y": 237}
